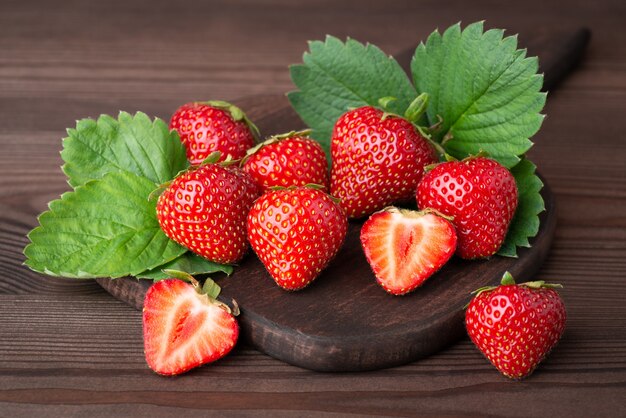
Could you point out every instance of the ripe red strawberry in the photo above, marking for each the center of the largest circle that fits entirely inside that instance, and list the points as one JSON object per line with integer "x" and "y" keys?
{"x": 185, "y": 326}
{"x": 481, "y": 196}
{"x": 296, "y": 232}
{"x": 404, "y": 247}
{"x": 205, "y": 210}
{"x": 377, "y": 159}
{"x": 516, "y": 326}
{"x": 287, "y": 160}
{"x": 214, "y": 126}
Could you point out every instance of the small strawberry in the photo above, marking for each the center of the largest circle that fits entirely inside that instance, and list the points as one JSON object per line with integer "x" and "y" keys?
{"x": 214, "y": 126}
{"x": 516, "y": 326}
{"x": 287, "y": 160}
{"x": 404, "y": 247}
{"x": 377, "y": 160}
{"x": 296, "y": 232}
{"x": 184, "y": 326}
{"x": 479, "y": 194}
{"x": 204, "y": 209}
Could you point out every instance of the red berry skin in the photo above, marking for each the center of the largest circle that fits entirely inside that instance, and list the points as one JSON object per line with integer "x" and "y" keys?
{"x": 294, "y": 161}
{"x": 295, "y": 233}
{"x": 204, "y": 129}
{"x": 404, "y": 248}
{"x": 182, "y": 329}
{"x": 515, "y": 326}
{"x": 205, "y": 210}
{"x": 376, "y": 160}
{"x": 481, "y": 197}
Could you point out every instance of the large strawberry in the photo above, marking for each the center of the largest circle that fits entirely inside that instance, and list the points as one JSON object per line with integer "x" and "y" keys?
{"x": 377, "y": 160}
{"x": 404, "y": 247}
{"x": 185, "y": 326}
{"x": 214, "y": 126}
{"x": 205, "y": 210}
{"x": 516, "y": 326}
{"x": 481, "y": 197}
{"x": 286, "y": 160}
{"x": 296, "y": 232}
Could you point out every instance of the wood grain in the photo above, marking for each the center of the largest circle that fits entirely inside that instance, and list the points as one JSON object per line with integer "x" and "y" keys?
{"x": 67, "y": 349}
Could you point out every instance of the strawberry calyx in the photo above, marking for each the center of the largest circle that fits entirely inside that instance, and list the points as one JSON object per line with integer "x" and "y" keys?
{"x": 312, "y": 186}
{"x": 274, "y": 139}
{"x": 447, "y": 158}
{"x": 416, "y": 213}
{"x": 412, "y": 114}
{"x": 236, "y": 113}
{"x": 159, "y": 190}
{"x": 210, "y": 289}
{"x": 509, "y": 280}
{"x": 213, "y": 158}
{"x": 417, "y": 108}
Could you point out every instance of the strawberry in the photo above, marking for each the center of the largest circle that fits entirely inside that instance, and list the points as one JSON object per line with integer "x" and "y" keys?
{"x": 214, "y": 126}
{"x": 481, "y": 196}
{"x": 516, "y": 326}
{"x": 286, "y": 160}
{"x": 377, "y": 159}
{"x": 296, "y": 232}
{"x": 404, "y": 247}
{"x": 184, "y": 326}
{"x": 204, "y": 209}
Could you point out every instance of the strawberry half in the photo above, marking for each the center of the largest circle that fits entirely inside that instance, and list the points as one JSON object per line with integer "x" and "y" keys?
{"x": 291, "y": 159}
{"x": 377, "y": 160}
{"x": 481, "y": 197}
{"x": 204, "y": 209}
{"x": 516, "y": 326}
{"x": 184, "y": 326}
{"x": 296, "y": 232}
{"x": 213, "y": 126}
{"x": 404, "y": 247}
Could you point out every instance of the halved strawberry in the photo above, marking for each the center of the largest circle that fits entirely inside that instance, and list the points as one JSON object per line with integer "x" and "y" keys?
{"x": 184, "y": 326}
{"x": 406, "y": 247}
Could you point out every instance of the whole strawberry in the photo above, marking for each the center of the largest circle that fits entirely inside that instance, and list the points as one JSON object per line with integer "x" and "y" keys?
{"x": 481, "y": 197}
{"x": 295, "y": 232}
{"x": 406, "y": 247}
{"x": 516, "y": 326}
{"x": 204, "y": 209}
{"x": 286, "y": 160}
{"x": 185, "y": 326}
{"x": 214, "y": 126}
{"x": 377, "y": 159}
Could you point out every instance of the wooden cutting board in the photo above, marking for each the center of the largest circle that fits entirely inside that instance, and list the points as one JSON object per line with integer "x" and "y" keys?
{"x": 344, "y": 321}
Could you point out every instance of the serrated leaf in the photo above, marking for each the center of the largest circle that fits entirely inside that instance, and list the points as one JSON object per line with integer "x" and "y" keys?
{"x": 131, "y": 143}
{"x": 189, "y": 263}
{"x": 336, "y": 76}
{"x": 105, "y": 228}
{"x": 525, "y": 223}
{"x": 486, "y": 90}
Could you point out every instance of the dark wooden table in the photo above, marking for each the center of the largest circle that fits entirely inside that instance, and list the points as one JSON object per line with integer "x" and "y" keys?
{"x": 67, "y": 348}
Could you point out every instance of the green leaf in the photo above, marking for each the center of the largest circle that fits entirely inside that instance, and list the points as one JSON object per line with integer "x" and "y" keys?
{"x": 211, "y": 288}
{"x": 131, "y": 143}
{"x": 188, "y": 262}
{"x": 336, "y": 76}
{"x": 486, "y": 90}
{"x": 105, "y": 228}
{"x": 525, "y": 223}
